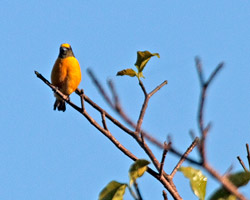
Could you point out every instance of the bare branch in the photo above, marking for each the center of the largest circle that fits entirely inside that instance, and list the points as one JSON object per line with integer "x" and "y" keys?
{"x": 82, "y": 100}
{"x": 89, "y": 118}
{"x": 114, "y": 93}
{"x": 242, "y": 163}
{"x": 104, "y": 121}
{"x": 215, "y": 72}
{"x": 199, "y": 70}
{"x": 167, "y": 184}
{"x": 165, "y": 197}
{"x": 157, "y": 88}
{"x": 248, "y": 155}
{"x": 192, "y": 134}
{"x": 143, "y": 88}
{"x": 164, "y": 153}
{"x": 121, "y": 112}
{"x": 100, "y": 88}
{"x": 184, "y": 156}
{"x": 204, "y": 86}
{"x": 225, "y": 182}
{"x": 145, "y": 104}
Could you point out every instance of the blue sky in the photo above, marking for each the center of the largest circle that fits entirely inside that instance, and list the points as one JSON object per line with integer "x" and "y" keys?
{"x": 52, "y": 155}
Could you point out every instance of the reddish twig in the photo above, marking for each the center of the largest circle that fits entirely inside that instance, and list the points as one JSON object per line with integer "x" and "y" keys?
{"x": 164, "y": 153}
{"x": 164, "y": 194}
{"x": 184, "y": 156}
{"x": 104, "y": 121}
{"x": 242, "y": 163}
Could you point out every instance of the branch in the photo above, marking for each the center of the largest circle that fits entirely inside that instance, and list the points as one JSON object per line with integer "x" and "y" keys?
{"x": 116, "y": 105}
{"x": 145, "y": 104}
{"x": 248, "y": 155}
{"x": 204, "y": 86}
{"x": 166, "y": 148}
{"x": 224, "y": 181}
{"x": 165, "y": 197}
{"x": 242, "y": 164}
{"x": 184, "y": 156}
{"x": 96, "y": 82}
{"x": 204, "y": 131}
{"x": 167, "y": 184}
{"x": 89, "y": 118}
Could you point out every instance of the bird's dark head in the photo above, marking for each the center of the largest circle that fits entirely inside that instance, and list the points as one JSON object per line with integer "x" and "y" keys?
{"x": 65, "y": 51}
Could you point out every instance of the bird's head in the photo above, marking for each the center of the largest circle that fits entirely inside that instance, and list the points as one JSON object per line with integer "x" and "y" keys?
{"x": 65, "y": 51}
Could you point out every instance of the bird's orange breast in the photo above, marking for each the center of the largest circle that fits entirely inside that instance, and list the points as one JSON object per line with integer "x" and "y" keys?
{"x": 66, "y": 74}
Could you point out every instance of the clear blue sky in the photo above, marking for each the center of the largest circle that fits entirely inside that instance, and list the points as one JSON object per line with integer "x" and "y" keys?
{"x": 53, "y": 155}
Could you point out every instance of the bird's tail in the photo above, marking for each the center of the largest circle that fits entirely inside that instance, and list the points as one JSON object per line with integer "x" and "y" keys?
{"x": 60, "y": 105}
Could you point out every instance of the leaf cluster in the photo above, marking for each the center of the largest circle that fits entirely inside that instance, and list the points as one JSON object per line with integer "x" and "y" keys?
{"x": 115, "y": 190}
{"x": 142, "y": 59}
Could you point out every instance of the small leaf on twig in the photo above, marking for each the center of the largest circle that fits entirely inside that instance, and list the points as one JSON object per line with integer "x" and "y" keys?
{"x": 142, "y": 58}
{"x": 238, "y": 179}
{"x": 113, "y": 191}
{"x": 197, "y": 180}
{"x": 128, "y": 72}
{"x": 137, "y": 169}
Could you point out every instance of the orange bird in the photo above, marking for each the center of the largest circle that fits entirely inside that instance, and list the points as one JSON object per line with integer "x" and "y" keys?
{"x": 66, "y": 74}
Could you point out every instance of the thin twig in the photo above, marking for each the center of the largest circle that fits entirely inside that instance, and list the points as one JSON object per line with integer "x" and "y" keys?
{"x": 248, "y": 154}
{"x": 143, "y": 88}
{"x": 214, "y": 73}
{"x": 242, "y": 163}
{"x": 145, "y": 104}
{"x": 184, "y": 156}
{"x": 204, "y": 86}
{"x": 82, "y": 100}
{"x": 192, "y": 134}
{"x": 199, "y": 70}
{"x": 137, "y": 190}
{"x": 143, "y": 109}
{"x": 164, "y": 153}
{"x": 114, "y": 93}
{"x": 104, "y": 121}
{"x": 100, "y": 88}
{"x": 164, "y": 194}
{"x": 157, "y": 88}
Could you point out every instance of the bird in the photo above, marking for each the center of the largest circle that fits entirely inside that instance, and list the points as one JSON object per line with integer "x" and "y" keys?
{"x": 65, "y": 75}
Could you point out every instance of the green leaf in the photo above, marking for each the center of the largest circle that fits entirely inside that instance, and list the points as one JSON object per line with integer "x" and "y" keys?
{"x": 113, "y": 191}
{"x": 197, "y": 180}
{"x": 238, "y": 179}
{"x": 142, "y": 58}
{"x": 128, "y": 72}
{"x": 137, "y": 169}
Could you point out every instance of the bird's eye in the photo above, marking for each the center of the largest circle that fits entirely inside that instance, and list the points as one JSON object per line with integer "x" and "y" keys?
{"x": 63, "y": 49}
